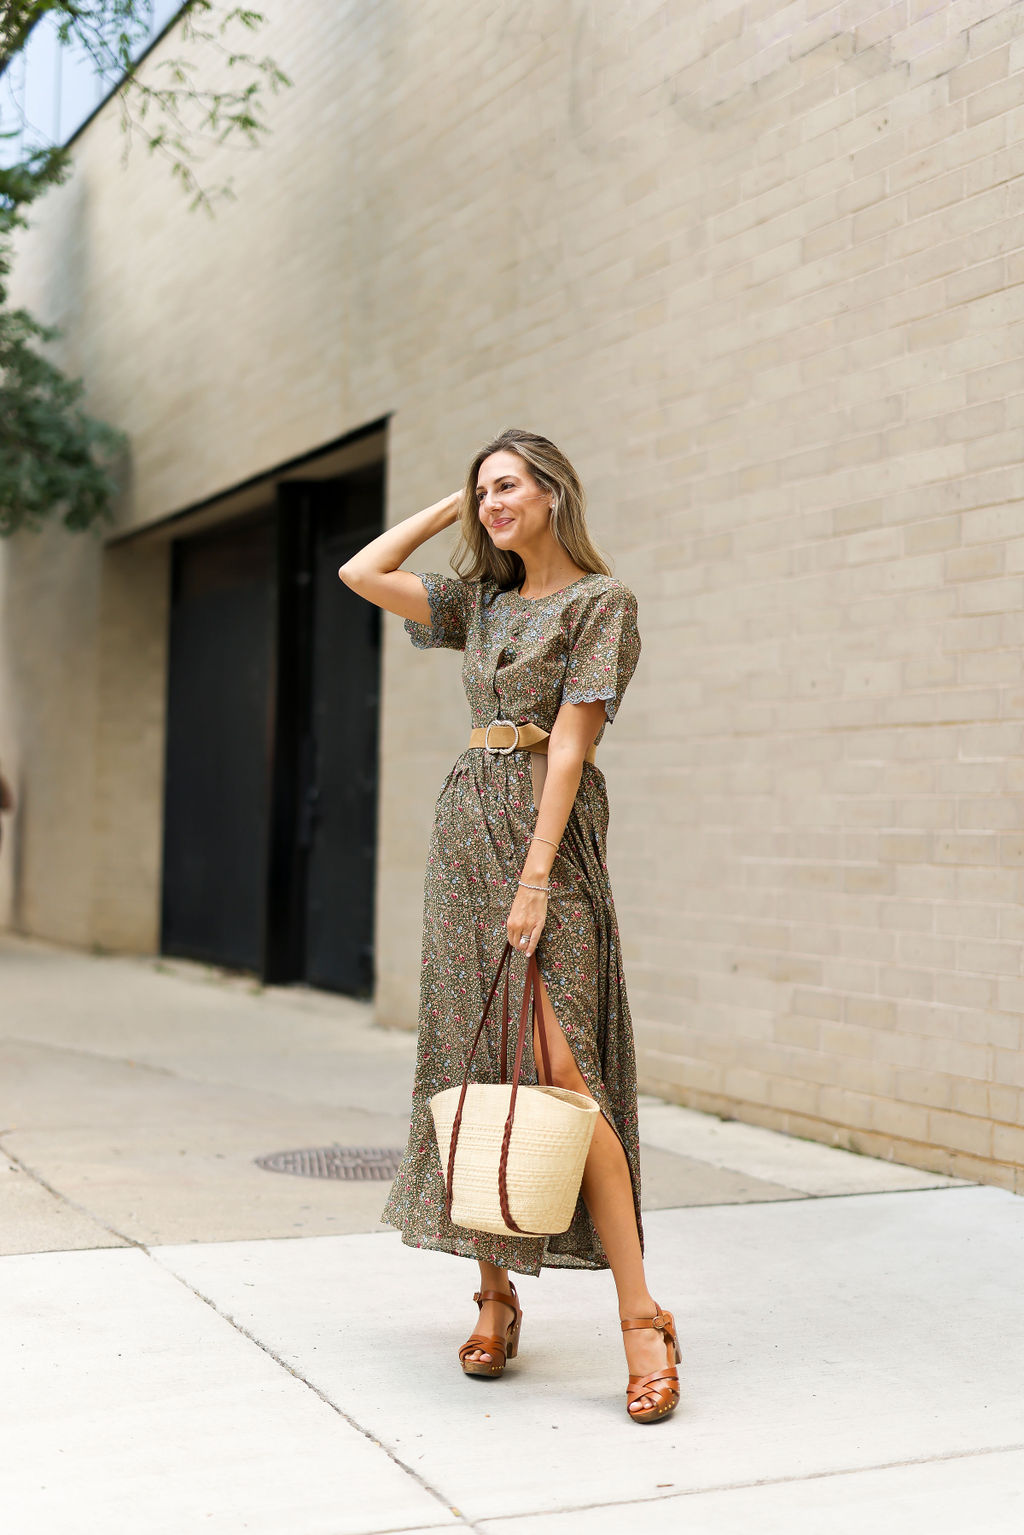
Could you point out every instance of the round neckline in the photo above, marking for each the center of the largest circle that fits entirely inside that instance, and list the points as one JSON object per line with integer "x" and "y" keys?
{"x": 568, "y": 587}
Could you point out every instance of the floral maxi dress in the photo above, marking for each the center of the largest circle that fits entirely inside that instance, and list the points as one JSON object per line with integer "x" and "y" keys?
{"x": 523, "y": 659}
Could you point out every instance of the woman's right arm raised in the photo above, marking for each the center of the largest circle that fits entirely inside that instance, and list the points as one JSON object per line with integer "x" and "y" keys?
{"x": 374, "y": 572}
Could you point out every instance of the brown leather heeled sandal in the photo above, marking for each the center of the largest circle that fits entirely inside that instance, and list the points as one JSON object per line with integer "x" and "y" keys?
{"x": 500, "y": 1349}
{"x": 662, "y": 1385}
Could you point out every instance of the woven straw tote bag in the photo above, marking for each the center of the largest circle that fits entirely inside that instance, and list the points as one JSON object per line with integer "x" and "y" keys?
{"x": 513, "y": 1155}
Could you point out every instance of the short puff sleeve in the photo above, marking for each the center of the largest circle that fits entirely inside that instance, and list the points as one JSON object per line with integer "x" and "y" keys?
{"x": 451, "y": 608}
{"x": 605, "y": 650}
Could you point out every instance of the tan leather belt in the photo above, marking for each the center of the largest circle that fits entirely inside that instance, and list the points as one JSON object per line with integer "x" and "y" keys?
{"x": 501, "y": 737}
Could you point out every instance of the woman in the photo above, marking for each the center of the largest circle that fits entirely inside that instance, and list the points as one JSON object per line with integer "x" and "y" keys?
{"x": 518, "y": 851}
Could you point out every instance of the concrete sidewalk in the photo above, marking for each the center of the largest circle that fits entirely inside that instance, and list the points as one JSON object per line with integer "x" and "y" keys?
{"x": 196, "y": 1344}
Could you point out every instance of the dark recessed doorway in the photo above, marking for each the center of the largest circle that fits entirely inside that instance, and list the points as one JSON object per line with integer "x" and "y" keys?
{"x": 271, "y": 791}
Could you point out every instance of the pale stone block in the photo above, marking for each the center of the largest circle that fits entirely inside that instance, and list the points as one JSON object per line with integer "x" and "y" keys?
{"x": 1009, "y": 1068}
{"x": 998, "y": 98}
{"x": 1004, "y": 23}
{"x": 975, "y": 563}
{"x": 932, "y": 63}
{"x": 907, "y": 1121}
{"x": 926, "y": 33}
{"x": 961, "y": 1133}
{"x": 1005, "y": 1103}
{"x": 981, "y": 71}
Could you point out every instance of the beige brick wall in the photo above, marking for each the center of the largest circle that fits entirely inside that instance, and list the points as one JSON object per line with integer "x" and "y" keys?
{"x": 48, "y": 641}
{"x": 758, "y": 267}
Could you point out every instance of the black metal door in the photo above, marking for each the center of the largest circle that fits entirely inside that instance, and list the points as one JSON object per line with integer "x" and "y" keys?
{"x": 325, "y": 786}
{"x": 217, "y": 761}
{"x": 271, "y": 797}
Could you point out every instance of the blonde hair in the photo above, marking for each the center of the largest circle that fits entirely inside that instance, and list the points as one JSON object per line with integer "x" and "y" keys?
{"x": 476, "y": 558}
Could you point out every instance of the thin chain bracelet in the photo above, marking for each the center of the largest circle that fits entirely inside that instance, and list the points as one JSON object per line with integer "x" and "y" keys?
{"x": 544, "y": 888}
{"x": 547, "y": 840}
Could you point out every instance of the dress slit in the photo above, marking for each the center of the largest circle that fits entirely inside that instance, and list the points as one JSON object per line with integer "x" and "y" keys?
{"x": 602, "y": 1100}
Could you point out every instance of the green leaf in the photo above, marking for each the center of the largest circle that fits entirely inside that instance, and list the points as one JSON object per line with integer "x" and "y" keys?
{"x": 55, "y": 459}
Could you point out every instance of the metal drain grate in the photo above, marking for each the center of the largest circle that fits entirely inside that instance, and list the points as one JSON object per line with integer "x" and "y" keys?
{"x": 353, "y": 1163}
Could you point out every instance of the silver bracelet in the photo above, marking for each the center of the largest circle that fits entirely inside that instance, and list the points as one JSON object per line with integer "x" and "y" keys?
{"x": 548, "y": 840}
{"x": 544, "y": 888}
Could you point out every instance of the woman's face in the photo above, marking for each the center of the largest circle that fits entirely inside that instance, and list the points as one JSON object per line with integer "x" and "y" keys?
{"x": 514, "y": 509}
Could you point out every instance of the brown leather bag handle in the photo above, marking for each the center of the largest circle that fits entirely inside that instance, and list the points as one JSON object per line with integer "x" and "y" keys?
{"x": 529, "y": 996}
{"x": 457, "y": 1122}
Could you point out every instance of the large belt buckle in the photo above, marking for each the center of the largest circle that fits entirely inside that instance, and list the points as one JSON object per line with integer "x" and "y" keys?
{"x": 501, "y": 751}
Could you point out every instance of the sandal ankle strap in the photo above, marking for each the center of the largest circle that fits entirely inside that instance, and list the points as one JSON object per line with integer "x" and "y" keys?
{"x": 659, "y": 1322}
{"x": 507, "y": 1300}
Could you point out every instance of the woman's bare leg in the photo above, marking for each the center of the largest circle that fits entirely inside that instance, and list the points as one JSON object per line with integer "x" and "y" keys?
{"x": 608, "y": 1194}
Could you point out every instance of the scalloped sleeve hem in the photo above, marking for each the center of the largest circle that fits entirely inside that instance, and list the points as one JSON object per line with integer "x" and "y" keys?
{"x": 605, "y": 650}
{"x": 592, "y": 696}
{"x": 451, "y": 607}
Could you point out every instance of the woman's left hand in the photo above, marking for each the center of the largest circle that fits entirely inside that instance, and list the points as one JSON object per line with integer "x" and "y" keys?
{"x": 526, "y": 919}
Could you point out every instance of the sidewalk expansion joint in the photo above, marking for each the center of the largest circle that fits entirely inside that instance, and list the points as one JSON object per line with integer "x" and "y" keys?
{"x": 92, "y": 1055}
{"x": 194, "y": 1078}
{"x": 803, "y": 1199}
{"x": 72, "y": 1204}
{"x": 353, "y": 1423}
{"x": 931, "y": 1188}
{"x": 767, "y": 1481}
